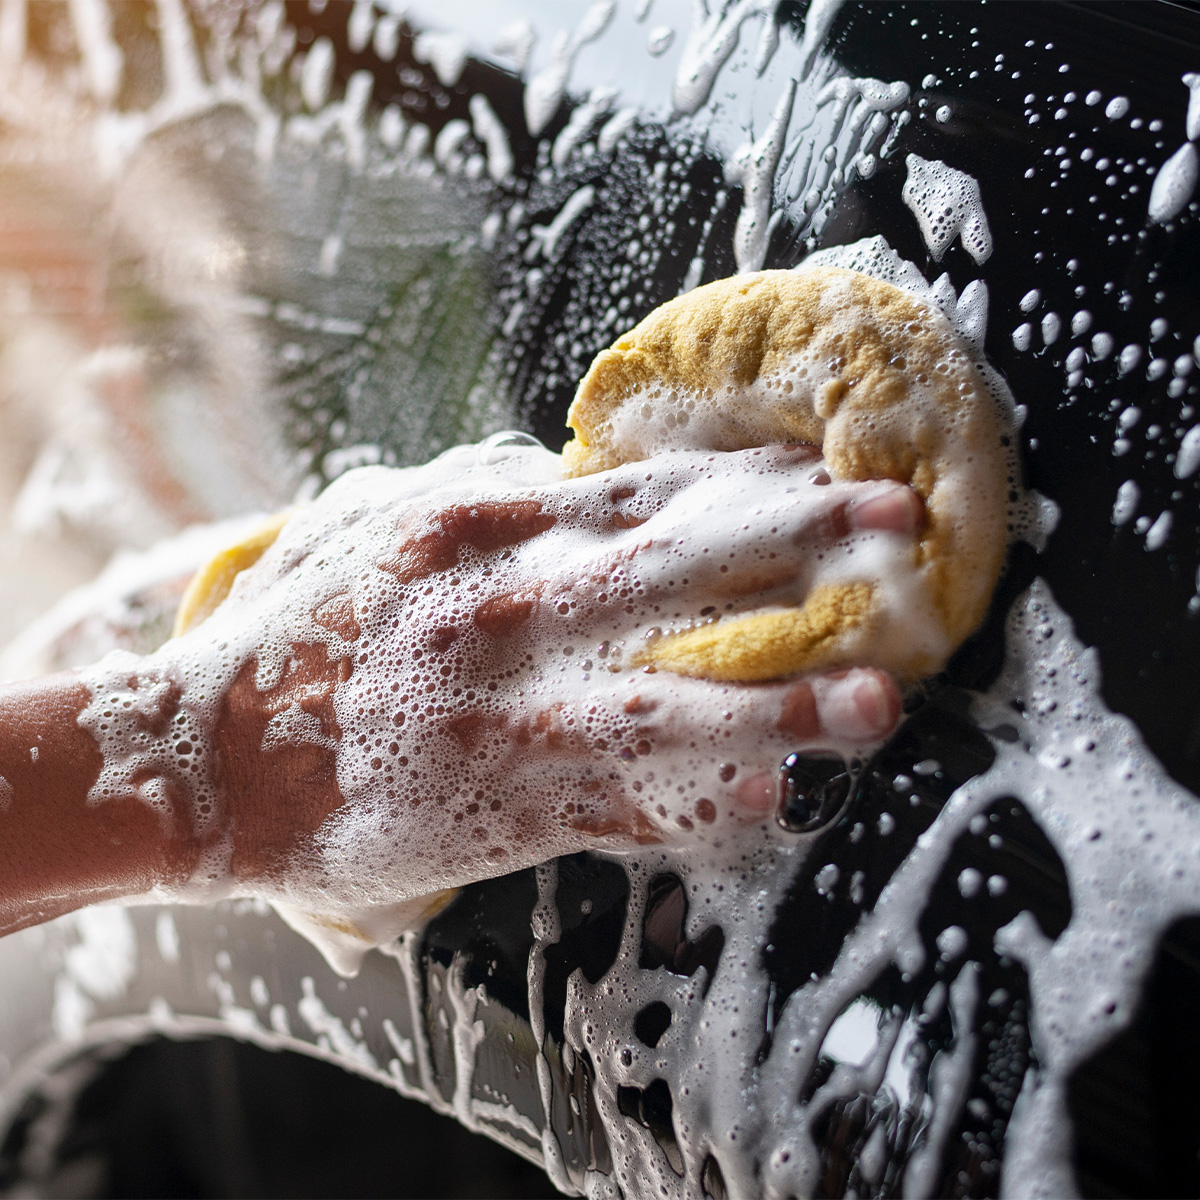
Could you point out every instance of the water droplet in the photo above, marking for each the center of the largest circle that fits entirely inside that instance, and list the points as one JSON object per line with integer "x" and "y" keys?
{"x": 812, "y": 790}
{"x": 499, "y": 446}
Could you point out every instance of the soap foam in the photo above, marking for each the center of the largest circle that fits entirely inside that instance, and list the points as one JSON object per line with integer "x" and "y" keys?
{"x": 467, "y": 635}
{"x": 826, "y": 356}
{"x": 1131, "y": 867}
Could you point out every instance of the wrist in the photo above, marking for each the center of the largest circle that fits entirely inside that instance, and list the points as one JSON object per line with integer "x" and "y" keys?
{"x": 61, "y": 846}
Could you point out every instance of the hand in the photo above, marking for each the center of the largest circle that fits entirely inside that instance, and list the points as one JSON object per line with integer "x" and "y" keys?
{"x": 427, "y": 681}
{"x": 482, "y": 716}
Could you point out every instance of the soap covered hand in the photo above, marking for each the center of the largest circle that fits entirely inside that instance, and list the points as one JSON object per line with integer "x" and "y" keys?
{"x": 450, "y": 685}
{"x": 440, "y": 674}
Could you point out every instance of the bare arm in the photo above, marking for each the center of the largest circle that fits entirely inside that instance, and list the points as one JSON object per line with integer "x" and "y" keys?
{"x": 57, "y": 851}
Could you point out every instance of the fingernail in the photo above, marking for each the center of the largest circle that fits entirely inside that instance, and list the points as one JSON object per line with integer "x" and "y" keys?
{"x": 799, "y": 716}
{"x": 853, "y": 708}
{"x": 895, "y": 511}
{"x": 758, "y": 793}
{"x": 874, "y": 704}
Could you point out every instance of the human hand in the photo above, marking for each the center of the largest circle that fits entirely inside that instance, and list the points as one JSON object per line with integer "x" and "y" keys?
{"x": 483, "y": 710}
{"x": 432, "y": 678}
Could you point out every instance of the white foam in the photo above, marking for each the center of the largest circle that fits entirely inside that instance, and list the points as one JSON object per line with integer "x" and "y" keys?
{"x": 1187, "y": 461}
{"x": 545, "y": 90}
{"x": 1157, "y": 534}
{"x": 515, "y": 42}
{"x": 947, "y": 205}
{"x": 817, "y": 22}
{"x": 100, "y": 966}
{"x": 106, "y": 600}
{"x": 446, "y": 53}
{"x": 166, "y": 936}
{"x": 489, "y": 129}
{"x": 360, "y": 25}
{"x": 712, "y": 38}
{"x": 386, "y": 41}
{"x": 1192, "y": 81}
{"x": 317, "y": 74}
{"x": 757, "y": 167}
{"x": 1129, "y": 358}
{"x": 967, "y": 313}
{"x": 154, "y": 718}
{"x": 866, "y": 96}
{"x": 103, "y": 61}
{"x": 580, "y": 124}
{"x": 658, "y": 40}
{"x": 392, "y": 127}
{"x": 544, "y": 239}
{"x": 1126, "y": 887}
{"x": 1125, "y": 505}
{"x": 615, "y": 128}
{"x": 449, "y": 142}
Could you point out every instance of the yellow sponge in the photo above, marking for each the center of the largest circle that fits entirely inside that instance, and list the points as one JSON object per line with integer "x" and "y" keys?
{"x": 876, "y": 378}
{"x": 770, "y": 645}
{"x": 210, "y": 585}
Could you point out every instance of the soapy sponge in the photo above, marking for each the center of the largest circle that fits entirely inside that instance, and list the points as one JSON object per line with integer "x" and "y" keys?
{"x": 879, "y": 381}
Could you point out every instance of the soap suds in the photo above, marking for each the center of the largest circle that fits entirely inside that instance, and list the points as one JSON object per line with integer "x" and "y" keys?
{"x": 947, "y": 205}
{"x": 711, "y": 40}
{"x": 545, "y": 91}
{"x": 756, "y": 169}
{"x": 1174, "y": 184}
{"x": 376, "y": 573}
{"x": 1085, "y": 984}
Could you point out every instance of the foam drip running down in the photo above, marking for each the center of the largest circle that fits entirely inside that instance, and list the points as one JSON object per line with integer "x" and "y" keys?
{"x": 1175, "y": 182}
{"x": 426, "y": 631}
{"x": 1132, "y": 868}
{"x": 446, "y": 571}
{"x": 743, "y": 1113}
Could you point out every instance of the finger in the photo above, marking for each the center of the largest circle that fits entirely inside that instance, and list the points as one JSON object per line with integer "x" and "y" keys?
{"x": 886, "y": 507}
{"x": 727, "y": 742}
{"x": 861, "y": 706}
{"x": 896, "y": 509}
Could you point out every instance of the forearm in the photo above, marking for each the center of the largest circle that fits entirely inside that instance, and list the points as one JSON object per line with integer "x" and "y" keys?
{"x": 58, "y": 849}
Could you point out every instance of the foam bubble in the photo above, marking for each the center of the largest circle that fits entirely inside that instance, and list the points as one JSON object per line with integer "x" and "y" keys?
{"x": 1174, "y": 184}
{"x": 422, "y": 630}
